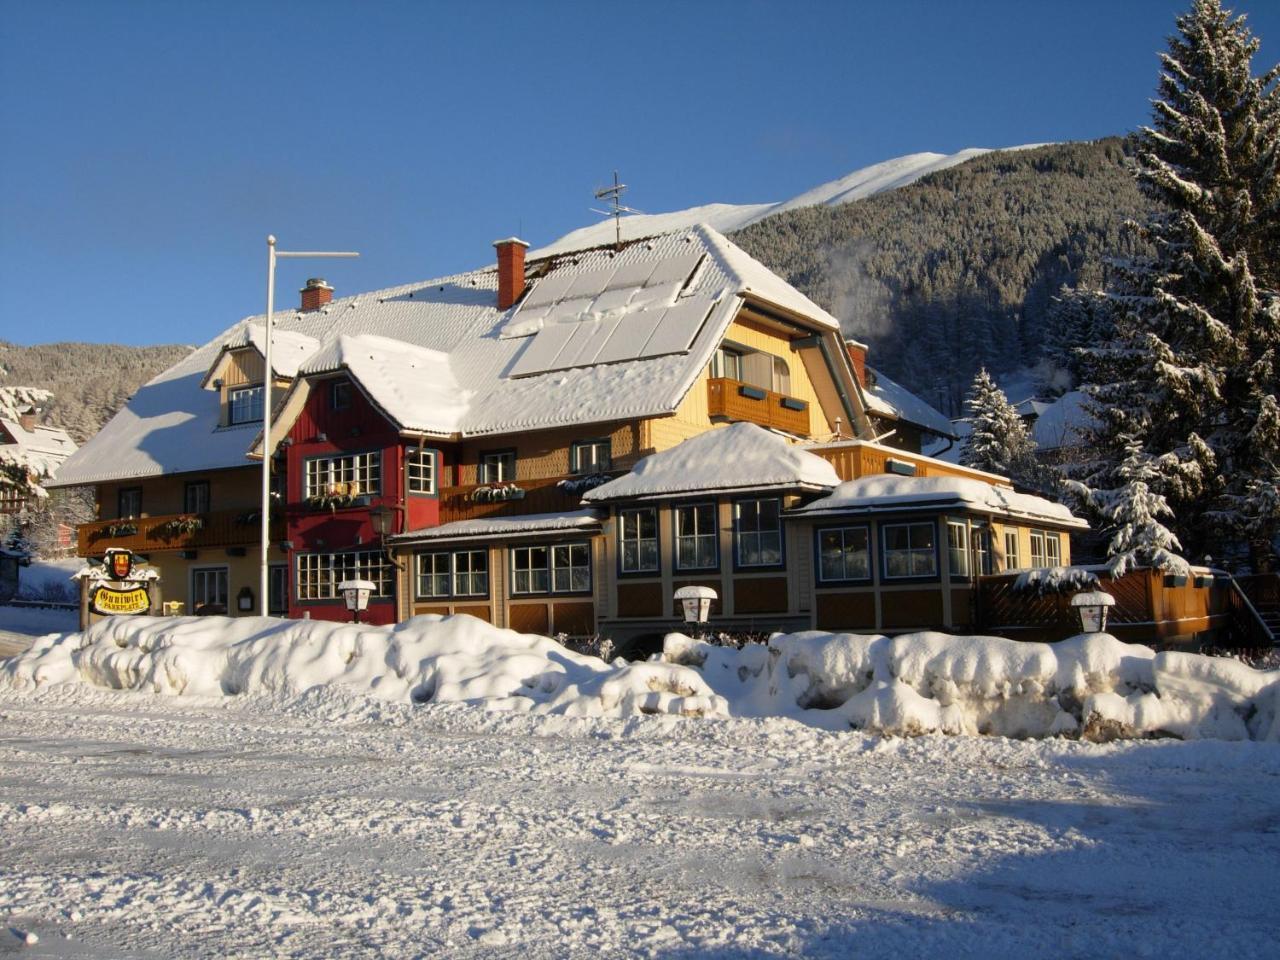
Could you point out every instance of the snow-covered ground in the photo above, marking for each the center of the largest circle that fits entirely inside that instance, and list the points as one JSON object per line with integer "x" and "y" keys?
{"x": 265, "y": 788}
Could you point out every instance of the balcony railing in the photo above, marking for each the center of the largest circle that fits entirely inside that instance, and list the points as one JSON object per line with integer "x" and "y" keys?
{"x": 736, "y": 400}
{"x": 509, "y": 498}
{"x": 177, "y": 531}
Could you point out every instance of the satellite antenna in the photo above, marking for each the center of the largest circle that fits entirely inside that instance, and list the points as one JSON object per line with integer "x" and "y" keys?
{"x": 613, "y": 196}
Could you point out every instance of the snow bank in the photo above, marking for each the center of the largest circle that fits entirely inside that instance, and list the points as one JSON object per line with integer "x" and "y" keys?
{"x": 1091, "y": 686}
{"x": 426, "y": 659}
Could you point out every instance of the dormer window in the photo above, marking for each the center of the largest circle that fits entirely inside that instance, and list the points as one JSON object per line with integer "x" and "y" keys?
{"x": 340, "y": 395}
{"x": 244, "y": 404}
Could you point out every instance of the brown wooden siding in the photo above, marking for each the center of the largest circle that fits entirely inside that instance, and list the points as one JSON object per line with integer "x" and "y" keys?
{"x": 540, "y": 496}
{"x": 221, "y": 528}
{"x": 640, "y": 600}
{"x": 728, "y": 398}
{"x": 760, "y": 595}
{"x": 529, "y": 618}
{"x": 576, "y": 618}
{"x": 909, "y": 609}
{"x": 846, "y": 611}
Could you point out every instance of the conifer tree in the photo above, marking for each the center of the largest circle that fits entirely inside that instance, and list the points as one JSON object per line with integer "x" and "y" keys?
{"x": 998, "y": 440}
{"x": 1190, "y": 374}
{"x": 1133, "y": 511}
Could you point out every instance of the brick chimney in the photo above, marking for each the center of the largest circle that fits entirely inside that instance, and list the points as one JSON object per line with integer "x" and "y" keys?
{"x": 316, "y": 294}
{"x": 27, "y": 419}
{"x": 510, "y": 270}
{"x": 858, "y": 357}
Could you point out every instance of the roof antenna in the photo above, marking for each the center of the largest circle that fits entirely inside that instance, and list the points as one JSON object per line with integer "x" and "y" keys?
{"x": 613, "y": 195}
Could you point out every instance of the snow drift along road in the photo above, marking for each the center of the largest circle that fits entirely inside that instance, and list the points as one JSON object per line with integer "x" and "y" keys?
{"x": 1092, "y": 685}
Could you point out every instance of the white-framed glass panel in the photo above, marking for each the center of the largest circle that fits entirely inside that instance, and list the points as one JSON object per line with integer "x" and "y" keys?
{"x": 909, "y": 550}
{"x": 590, "y": 456}
{"x": 1037, "y": 549}
{"x": 727, "y": 362}
{"x": 129, "y": 503}
{"x": 697, "y": 537}
{"x": 471, "y": 573}
{"x": 244, "y": 404}
{"x": 421, "y": 468}
{"x": 1011, "y": 561}
{"x": 209, "y": 589}
{"x": 433, "y": 575}
{"x": 638, "y": 540}
{"x": 530, "y": 571}
{"x": 318, "y": 574}
{"x": 1052, "y": 550}
{"x": 844, "y": 553}
{"x": 278, "y": 588}
{"x": 571, "y": 568}
{"x": 757, "y": 530}
{"x": 352, "y": 475}
{"x": 958, "y": 547}
{"x": 980, "y": 544}
{"x": 195, "y": 496}
{"x": 498, "y": 466}
{"x": 781, "y": 376}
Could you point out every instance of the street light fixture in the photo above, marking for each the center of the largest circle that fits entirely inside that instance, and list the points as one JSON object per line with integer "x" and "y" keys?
{"x": 268, "y": 449}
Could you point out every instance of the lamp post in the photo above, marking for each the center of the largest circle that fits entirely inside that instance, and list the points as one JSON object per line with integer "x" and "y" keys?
{"x": 356, "y": 593}
{"x": 695, "y": 603}
{"x": 1092, "y": 609}
{"x": 268, "y": 449}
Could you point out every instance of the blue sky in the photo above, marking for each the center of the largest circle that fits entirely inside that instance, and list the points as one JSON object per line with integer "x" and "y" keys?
{"x": 148, "y": 148}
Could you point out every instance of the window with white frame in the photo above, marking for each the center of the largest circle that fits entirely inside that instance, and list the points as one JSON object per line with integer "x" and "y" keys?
{"x": 421, "y": 468}
{"x": 571, "y": 568}
{"x": 352, "y": 475}
{"x": 318, "y": 574}
{"x": 757, "y": 532}
{"x": 980, "y": 544}
{"x": 697, "y": 537}
{"x": 498, "y": 466}
{"x": 209, "y": 590}
{"x": 195, "y": 496}
{"x": 638, "y": 540}
{"x": 462, "y": 573}
{"x": 909, "y": 550}
{"x": 244, "y": 404}
{"x": 530, "y": 570}
{"x": 844, "y": 553}
{"x": 1046, "y": 549}
{"x": 434, "y": 574}
{"x": 590, "y": 456}
{"x": 1011, "y": 561}
{"x": 958, "y": 547}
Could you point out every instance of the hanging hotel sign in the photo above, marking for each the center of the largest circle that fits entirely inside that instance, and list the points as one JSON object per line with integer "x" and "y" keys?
{"x": 121, "y": 593}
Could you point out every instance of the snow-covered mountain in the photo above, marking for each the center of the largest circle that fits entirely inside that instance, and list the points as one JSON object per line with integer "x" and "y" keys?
{"x": 728, "y": 217}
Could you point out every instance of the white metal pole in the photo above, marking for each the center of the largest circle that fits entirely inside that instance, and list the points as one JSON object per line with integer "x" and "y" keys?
{"x": 267, "y": 449}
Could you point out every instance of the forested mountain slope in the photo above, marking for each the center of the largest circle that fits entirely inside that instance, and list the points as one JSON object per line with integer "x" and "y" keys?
{"x": 89, "y": 381}
{"x": 956, "y": 270}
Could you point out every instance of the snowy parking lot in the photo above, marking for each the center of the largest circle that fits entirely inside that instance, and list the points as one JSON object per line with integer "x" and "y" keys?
{"x": 334, "y": 825}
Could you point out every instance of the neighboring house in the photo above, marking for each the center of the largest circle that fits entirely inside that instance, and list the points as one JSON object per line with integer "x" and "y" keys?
{"x": 555, "y": 446}
{"x": 42, "y": 450}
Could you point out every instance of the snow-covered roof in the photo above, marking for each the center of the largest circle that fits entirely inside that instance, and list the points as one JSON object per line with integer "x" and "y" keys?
{"x": 881, "y": 492}
{"x": 490, "y": 527}
{"x": 890, "y": 398}
{"x": 289, "y": 349}
{"x": 172, "y": 426}
{"x": 1059, "y": 422}
{"x": 43, "y": 450}
{"x": 737, "y": 457}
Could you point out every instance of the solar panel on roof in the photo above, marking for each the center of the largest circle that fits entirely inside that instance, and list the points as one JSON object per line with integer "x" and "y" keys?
{"x": 540, "y": 355}
{"x": 680, "y": 324}
{"x": 548, "y": 290}
{"x": 589, "y": 283}
{"x": 630, "y": 275}
{"x": 675, "y": 270}
{"x": 587, "y": 341}
{"x": 630, "y": 336}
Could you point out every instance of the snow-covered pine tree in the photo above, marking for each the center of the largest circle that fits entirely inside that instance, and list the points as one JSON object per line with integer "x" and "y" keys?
{"x": 1077, "y": 318}
{"x": 998, "y": 440}
{"x": 1133, "y": 512}
{"x": 1190, "y": 374}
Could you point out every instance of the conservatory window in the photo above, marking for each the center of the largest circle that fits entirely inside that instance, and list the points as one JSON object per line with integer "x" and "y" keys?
{"x": 1046, "y": 549}
{"x": 638, "y": 540}
{"x": 844, "y": 553}
{"x": 958, "y": 547}
{"x": 909, "y": 550}
{"x": 758, "y": 531}
{"x": 696, "y": 537}
{"x": 1011, "y": 561}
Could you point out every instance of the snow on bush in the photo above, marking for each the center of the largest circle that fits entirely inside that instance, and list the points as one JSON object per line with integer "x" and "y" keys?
{"x": 1091, "y": 686}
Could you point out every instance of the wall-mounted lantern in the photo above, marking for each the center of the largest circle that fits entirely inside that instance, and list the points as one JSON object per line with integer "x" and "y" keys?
{"x": 695, "y": 603}
{"x": 1092, "y": 608}
{"x": 356, "y": 593}
{"x": 244, "y": 599}
{"x": 383, "y": 520}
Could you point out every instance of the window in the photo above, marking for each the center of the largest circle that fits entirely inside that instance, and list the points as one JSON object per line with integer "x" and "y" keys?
{"x": 340, "y": 395}
{"x": 421, "y": 466}
{"x": 638, "y": 540}
{"x": 195, "y": 497}
{"x": 278, "y": 588}
{"x": 209, "y": 590}
{"x": 571, "y": 568}
{"x": 1046, "y": 549}
{"x": 1011, "y": 550}
{"x": 958, "y": 547}
{"x": 353, "y": 475}
{"x": 563, "y": 568}
{"x": 727, "y": 363}
{"x": 757, "y": 527}
{"x": 590, "y": 456}
{"x": 759, "y": 369}
{"x": 499, "y": 466}
{"x": 909, "y": 550}
{"x": 244, "y": 404}
{"x": 980, "y": 543}
{"x": 129, "y": 503}
{"x": 318, "y": 574}
{"x": 781, "y": 376}
{"x": 697, "y": 536}
{"x": 461, "y": 574}
{"x": 844, "y": 553}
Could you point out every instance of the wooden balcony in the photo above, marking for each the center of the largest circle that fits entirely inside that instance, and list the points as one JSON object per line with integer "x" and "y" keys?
{"x": 538, "y": 496}
{"x": 221, "y": 528}
{"x": 736, "y": 400}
